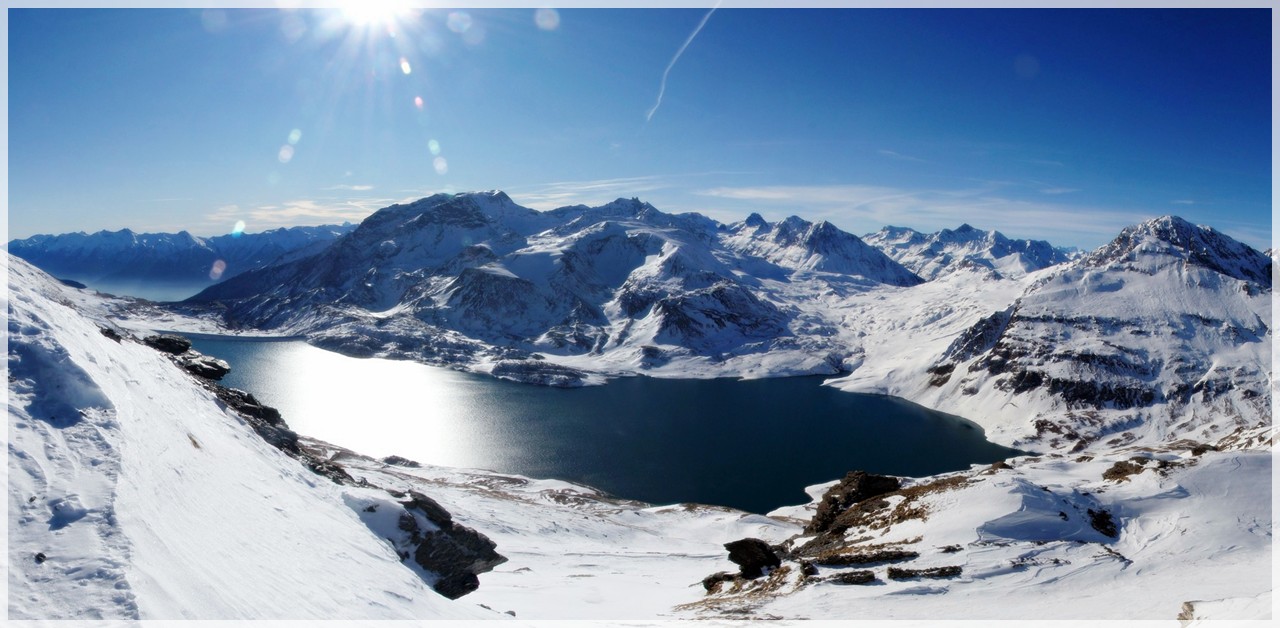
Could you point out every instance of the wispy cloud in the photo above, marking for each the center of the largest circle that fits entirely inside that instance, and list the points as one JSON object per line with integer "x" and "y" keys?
{"x": 662, "y": 87}
{"x": 349, "y": 188}
{"x": 899, "y": 156}
{"x": 866, "y": 208}
{"x": 1185, "y": 201}
{"x": 294, "y": 213}
{"x": 1058, "y": 190}
{"x": 561, "y": 193}
{"x": 1046, "y": 162}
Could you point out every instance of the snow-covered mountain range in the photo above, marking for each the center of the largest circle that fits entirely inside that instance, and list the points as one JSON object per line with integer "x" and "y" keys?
{"x": 1165, "y": 331}
{"x": 140, "y": 490}
{"x": 125, "y": 257}
{"x": 477, "y": 280}
{"x": 930, "y": 255}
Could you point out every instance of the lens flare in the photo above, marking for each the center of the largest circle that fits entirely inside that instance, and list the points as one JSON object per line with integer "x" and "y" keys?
{"x": 238, "y": 229}
{"x": 441, "y": 166}
{"x": 547, "y": 19}
{"x": 405, "y": 67}
{"x": 417, "y": 102}
{"x": 459, "y": 21}
{"x": 285, "y": 154}
{"x": 434, "y": 147}
{"x": 219, "y": 267}
{"x": 294, "y": 136}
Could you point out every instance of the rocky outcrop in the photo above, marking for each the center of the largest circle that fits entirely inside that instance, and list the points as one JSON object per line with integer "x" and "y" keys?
{"x": 168, "y": 343}
{"x": 456, "y": 553}
{"x": 204, "y": 366}
{"x": 856, "y": 486}
{"x": 753, "y": 557}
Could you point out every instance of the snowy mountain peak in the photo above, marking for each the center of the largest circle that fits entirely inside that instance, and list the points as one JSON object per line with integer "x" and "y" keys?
{"x": 1170, "y": 239}
{"x": 965, "y": 248}
{"x": 755, "y": 221}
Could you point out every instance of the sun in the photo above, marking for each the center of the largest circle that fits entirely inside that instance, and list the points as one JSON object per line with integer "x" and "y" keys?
{"x": 371, "y": 13}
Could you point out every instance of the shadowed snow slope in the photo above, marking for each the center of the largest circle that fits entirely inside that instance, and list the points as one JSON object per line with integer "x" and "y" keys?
{"x": 133, "y": 493}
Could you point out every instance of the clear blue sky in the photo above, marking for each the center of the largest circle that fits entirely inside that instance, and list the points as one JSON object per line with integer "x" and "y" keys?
{"x": 1064, "y": 125}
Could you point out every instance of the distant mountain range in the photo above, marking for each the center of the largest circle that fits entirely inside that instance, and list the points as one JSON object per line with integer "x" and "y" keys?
{"x": 932, "y": 254}
{"x": 127, "y": 257}
{"x": 1160, "y": 331}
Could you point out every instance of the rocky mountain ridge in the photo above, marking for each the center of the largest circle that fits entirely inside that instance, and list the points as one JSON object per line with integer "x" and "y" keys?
{"x": 127, "y": 256}
{"x": 934, "y": 254}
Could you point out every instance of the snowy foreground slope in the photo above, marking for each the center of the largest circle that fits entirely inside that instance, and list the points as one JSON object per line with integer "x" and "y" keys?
{"x": 133, "y": 493}
{"x": 147, "y": 498}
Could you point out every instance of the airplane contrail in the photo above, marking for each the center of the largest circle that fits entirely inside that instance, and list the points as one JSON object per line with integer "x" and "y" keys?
{"x": 662, "y": 88}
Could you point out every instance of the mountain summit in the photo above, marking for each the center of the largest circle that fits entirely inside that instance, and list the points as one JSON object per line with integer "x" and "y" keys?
{"x": 484, "y": 277}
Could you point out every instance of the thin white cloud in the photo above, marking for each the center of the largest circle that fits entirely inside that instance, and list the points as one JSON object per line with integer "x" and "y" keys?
{"x": 899, "y": 156}
{"x": 595, "y": 192}
{"x": 1184, "y": 202}
{"x": 662, "y": 87}
{"x": 1059, "y": 190}
{"x": 1046, "y": 162}
{"x": 294, "y": 213}
{"x": 349, "y": 188}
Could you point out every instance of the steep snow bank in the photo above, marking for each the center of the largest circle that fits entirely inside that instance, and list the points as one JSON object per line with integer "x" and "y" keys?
{"x": 135, "y": 494}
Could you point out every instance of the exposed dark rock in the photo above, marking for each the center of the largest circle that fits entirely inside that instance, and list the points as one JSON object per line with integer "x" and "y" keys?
{"x": 453, "y": 552}
{"x": 328, "y": 469}
{"x": 40, "y": 558}
{"x": 264, "y": 420}
{"x": 110, "y": 333}
{"x": 205, "y": 366}
{"x": 434, "y": 512}
{"x": 1102, "y": 521}
{"x": 950, "y": 549}
{"x": 752, "y": 556}
{"x": 808, "y": 569}
{"x": 246, "y": 403}
{"x": 168, "y": 343}
{"x": 860, "y": 576}
{"x": 712, "y": 582}
{"x": 1199, "y": 450}
{"x": 401, "y": 462}
{"x": 539, "y": 372}
{"x": 881, "y": 556}
{"x": 899, "y": 573}
{"x": 1120, "y": 471}
{"x": 73, "y": 284}
{"x": 855, "y": 487}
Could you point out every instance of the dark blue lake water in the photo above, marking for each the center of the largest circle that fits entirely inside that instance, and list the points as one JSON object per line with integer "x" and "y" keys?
{"x": 751, "y": 444}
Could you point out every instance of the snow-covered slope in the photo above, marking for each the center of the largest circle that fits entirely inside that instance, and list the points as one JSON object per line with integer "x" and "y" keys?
{"x": 1162, "y": 334}
{"x": 934, "y": 254}
{"x": 480, "y": 282}
{"x": 123, "y": 257}
{"x": 134, "y": 493}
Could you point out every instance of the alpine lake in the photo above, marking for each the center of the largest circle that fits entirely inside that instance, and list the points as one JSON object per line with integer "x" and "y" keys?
{"x": 748, "y": 444}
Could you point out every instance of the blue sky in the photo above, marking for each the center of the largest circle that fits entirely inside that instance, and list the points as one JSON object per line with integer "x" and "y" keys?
{"x": 1063, "y": 125}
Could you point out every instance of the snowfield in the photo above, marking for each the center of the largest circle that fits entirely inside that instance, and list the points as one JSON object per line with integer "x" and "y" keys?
{"x": 133, "y": 494}
{"x": 1140, "y": 373}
